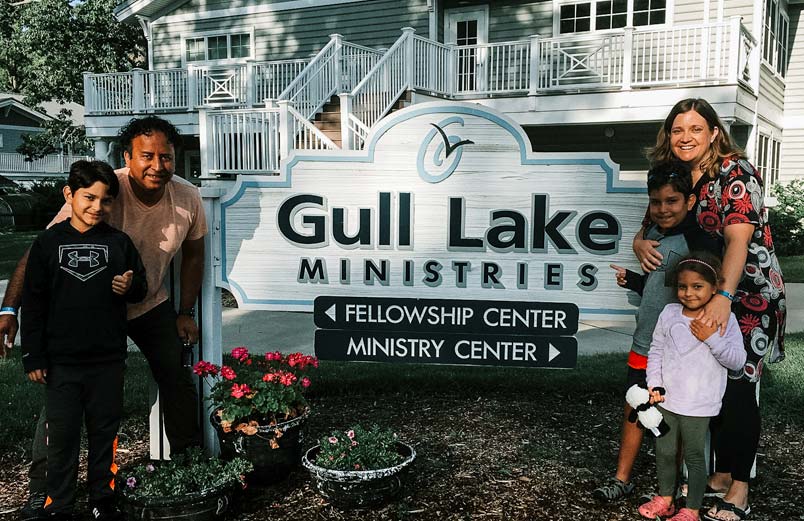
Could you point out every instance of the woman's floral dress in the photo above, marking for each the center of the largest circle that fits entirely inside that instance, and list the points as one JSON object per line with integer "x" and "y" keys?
{"x": 733, "y": 197}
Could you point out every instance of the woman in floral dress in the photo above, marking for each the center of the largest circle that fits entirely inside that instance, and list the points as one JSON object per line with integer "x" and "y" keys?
{"x": 730, "y": 205}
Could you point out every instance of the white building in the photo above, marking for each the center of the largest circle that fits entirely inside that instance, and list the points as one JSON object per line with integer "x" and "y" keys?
{"x": 246, "y": 79}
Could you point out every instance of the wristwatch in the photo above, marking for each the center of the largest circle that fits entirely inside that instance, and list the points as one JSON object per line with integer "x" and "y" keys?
{"x": 190, "y": 312}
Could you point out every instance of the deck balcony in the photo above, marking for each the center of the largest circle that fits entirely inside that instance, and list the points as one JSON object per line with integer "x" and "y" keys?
{"x": 721, "y": 53}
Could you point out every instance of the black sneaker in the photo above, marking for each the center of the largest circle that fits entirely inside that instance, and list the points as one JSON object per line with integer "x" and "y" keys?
{"x": 613, "y": 490}
{"x": 34, "y": 507}
{"x": 105, "y": 510}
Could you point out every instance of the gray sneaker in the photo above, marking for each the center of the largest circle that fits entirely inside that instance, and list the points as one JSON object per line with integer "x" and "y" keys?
{"x": 33, "y": 508}
{"x": 613, "y": 490}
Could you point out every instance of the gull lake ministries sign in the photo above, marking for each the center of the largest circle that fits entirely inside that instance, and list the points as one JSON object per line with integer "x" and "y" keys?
{"x": 448, "y": 202}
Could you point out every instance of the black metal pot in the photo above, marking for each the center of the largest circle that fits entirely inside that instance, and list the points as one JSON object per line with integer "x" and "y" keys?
{"x": 359, "y": 488}
{"x": 207, "y": 505}
{"x": 270, "y": 464}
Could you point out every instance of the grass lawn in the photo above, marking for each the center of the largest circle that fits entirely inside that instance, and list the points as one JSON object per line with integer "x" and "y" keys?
{"x": 793, "y": 268}
{"x": 492, "y": 443}
{"x": 12, "y": 246}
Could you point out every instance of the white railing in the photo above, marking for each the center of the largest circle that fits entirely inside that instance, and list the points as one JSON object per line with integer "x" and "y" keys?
{"x": 164, "y": 90}
{"x": 373, "y": 97}
{"x": 11, "y": 163}
{"x": 337, "y": 68}
{"x": 243, "y": 141}
{"x": 216, "y": 86}
{"x": 492, "y": 68}
{"x": 580, "y": 61}
{"x": 433, "y": 67}
{"x": 307, "y": 136}
{"x": 271, "y": 78}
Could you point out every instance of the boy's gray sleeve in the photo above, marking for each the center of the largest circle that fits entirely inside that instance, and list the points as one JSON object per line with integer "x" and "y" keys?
{"x": 35, "y": 301}
{"x": 728, "y": 349}
{"x": 139, "y": 284}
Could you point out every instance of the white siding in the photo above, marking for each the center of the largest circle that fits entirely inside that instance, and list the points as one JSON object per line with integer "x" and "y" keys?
{"x": 793, "y": 137}
{"x": 294, "y": 33}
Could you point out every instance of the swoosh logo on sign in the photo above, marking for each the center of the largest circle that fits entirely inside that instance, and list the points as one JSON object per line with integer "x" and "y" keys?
{"x": 449, "y": 147}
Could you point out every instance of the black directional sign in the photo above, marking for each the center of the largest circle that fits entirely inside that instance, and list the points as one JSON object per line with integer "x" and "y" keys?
{"x": 446, "y": 316}
{"x": 440, "y": 348}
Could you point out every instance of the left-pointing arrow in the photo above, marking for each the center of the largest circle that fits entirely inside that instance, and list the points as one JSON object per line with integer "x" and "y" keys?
{"x": 331, "y": 313}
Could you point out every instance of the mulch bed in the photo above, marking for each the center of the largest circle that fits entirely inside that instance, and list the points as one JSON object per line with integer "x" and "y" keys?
{"x": 499, "y": 456}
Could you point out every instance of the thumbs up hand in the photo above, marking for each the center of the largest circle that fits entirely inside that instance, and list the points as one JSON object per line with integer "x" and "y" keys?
{"x": 122, "y": 283}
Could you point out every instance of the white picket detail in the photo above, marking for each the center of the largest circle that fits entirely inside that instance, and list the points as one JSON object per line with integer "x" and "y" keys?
{"x": 271, "y": 78}
{"x": 358, "y": 132}
{"x": 356, "y": 62}
{"x": 433, "y": 66}
{"x": 165, "y": 90}
{"x": 109, "y": 93}
{"x": 306, "y": 135}
{"x": 243, "y": 141}
{"x": 581, "y": 61}
{"x": 373, "y": 97}
{"x": 13, "y": 163}
{"x": 492, "y": 68}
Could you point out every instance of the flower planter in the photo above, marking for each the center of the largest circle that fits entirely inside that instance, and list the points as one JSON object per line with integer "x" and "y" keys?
{"x": 198, "y": 506}
{"x": 271, "y": 464}
{"x": 359, "y": 488}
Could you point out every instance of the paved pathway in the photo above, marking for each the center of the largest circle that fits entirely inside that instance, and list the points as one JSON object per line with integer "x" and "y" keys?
{"x": 272, "y": 330}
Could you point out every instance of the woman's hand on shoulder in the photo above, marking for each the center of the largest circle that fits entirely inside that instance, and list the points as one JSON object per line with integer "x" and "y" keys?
{"x": 716, "y": 314}
{"x": 645, "y": 250}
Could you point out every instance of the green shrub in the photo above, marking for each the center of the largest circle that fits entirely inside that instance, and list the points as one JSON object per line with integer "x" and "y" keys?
{"x": 786, "y": 219}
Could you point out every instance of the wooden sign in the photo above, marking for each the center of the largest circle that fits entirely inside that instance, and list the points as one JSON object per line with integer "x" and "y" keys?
{"x": 446, "y": 201}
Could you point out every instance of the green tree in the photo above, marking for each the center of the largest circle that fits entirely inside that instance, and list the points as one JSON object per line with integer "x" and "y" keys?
{"x": 60, "y": 135}
{"x": 45, "y": 45}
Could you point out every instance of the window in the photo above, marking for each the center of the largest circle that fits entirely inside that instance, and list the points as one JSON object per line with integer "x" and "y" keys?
{"x": 601, "y": 15}
{"x": 218, "y": 47}
{"x": 775, "y": 38}
{"x": 767, "y": 156}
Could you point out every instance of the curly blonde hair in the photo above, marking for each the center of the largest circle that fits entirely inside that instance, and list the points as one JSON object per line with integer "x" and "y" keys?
{"x": 720, "y": 148}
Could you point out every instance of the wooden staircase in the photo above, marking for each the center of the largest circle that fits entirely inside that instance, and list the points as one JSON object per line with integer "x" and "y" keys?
{"x": 328, "y": 120}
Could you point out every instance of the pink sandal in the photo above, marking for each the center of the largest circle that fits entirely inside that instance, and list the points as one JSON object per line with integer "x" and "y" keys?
{"x": 656, "y": 507}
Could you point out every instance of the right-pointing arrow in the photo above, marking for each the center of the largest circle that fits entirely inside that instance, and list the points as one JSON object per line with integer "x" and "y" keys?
{"x": 552, "y": 352}
{"x": 331, "y": 312}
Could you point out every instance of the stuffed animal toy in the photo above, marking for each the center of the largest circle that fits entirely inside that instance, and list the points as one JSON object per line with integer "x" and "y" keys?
{"x": 648, "y": 415}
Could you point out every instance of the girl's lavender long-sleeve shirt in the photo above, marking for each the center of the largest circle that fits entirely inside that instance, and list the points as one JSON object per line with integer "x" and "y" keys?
{"x": 693, "y": 373}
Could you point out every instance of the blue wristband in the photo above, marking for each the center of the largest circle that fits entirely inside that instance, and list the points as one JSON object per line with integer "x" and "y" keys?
{"x": 726, "y": 294}
{"x": 8, "y": 310}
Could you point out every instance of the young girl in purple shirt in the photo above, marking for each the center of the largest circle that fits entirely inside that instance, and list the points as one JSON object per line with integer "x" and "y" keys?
{"x": 687, "y": 370}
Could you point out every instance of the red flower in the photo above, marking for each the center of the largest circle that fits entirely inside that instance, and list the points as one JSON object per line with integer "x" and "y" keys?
{"x": 767, "y": 238}
{"x": 754, "y": 302}
{"x": 270, "y": 357}
{"x": 269, "y": 377}
{"x": 203, "y": 368}
{"x": 240, "y": 390}
{"x": 305, "y": 382}
{"x": 228, "y": 373}
{"x": 240, "y": 353}
{"x": 735, "y": 218}
{"x": 748, "y": 322}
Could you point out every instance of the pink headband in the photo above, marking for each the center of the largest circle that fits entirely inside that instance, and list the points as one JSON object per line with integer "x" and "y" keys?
{"x": 699, "y": 261}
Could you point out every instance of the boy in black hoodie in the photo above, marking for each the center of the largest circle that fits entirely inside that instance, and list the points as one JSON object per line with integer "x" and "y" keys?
{"x": 81, "y": 273}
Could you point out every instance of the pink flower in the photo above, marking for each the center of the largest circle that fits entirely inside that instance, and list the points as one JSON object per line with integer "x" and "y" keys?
{"x": 228, "y": 373}
{"x": 357, "y": 466}
{"x": 240, "y": 390}
{"x": 270, "y": 357}
{"x": 350, "y": 434}
{"x": 333, "y": 440}
{"x": 305, "y": 382}
{"x": 240, "y": 353}
{"x": 269, "y": 377}
{"x": 354, "y": 443}
{"x": 286, "y": 378}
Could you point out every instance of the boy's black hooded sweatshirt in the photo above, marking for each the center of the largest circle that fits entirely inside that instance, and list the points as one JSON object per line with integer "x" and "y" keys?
{"x": 70, "y": 315}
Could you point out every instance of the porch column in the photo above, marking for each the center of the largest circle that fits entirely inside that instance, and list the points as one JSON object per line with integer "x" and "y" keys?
{"x": 410, "y": 65}
{"x": 533, "y": 78}
{"x": 338, "y": 39}
{"x": 101, "y": 150}
{"x": 628, "y": 57}
{"x": 735, "y": 49}
{"x": 192, "y": 89}
{"x": 285, "y": 129}
{"x": 346, "y": 111}
{"x": 210, "y": 318}
{"x": 138, "y": 90}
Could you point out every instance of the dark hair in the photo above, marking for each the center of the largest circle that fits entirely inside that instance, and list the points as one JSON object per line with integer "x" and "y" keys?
{"x": 720, "y": 148}
{"x": 703, "y": 263}
{"x": 674, "y": 173}
{"x": 147, "y": 126}
{"x": 84, "y": 174}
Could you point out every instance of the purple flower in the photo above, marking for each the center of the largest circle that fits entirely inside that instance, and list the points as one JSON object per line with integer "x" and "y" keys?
{"x": 131, "y": 482}
{"x": 149, "y": 468}
{"x": 333, "y": 440}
